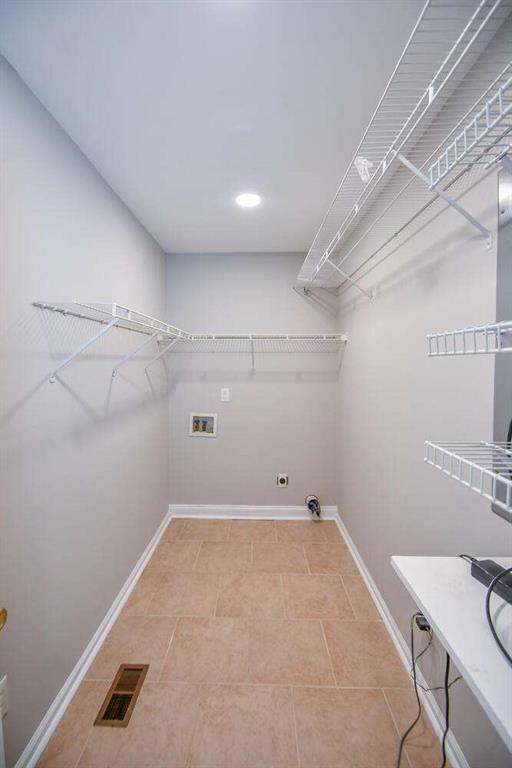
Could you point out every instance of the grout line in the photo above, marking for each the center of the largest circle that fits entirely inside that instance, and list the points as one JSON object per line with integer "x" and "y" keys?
{"x": 283, "y": 597}
{"x": 197, "y": 556}
{"x": 328, "y": 653}
{"x": 348, "y": 596}
{"x": 83, "y": 748}
{"x": 295, "y": 727}
{"x": 167, "y": 651}
{"x": 306, "y": 559}
{"x": 409, "y": 761}
{"x": 220, "y": 575}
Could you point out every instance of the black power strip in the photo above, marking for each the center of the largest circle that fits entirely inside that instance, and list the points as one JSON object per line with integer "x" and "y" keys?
{"x": 487, "y": 570}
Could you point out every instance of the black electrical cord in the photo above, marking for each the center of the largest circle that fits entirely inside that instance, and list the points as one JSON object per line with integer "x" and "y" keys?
{"x": 468, "y": 558}
{"x": 447, "y": 708}
{"x": 418, "y": 657}
{"x": 490, "y": 590}
{"x": 415, "y": 721}
{"x": 445, "y": 687}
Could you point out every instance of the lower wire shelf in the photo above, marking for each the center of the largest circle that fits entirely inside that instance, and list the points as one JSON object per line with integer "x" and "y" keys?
{"x": 484, "y": 467}
{"x": 474, "y": 340}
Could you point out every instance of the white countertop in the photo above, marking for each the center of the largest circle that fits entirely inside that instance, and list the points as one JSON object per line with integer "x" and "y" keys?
{"x": 454, "y": 603}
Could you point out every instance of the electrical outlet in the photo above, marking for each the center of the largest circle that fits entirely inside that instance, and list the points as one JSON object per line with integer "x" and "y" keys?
{"x": 282, "y": 480}
{"x": 3, "y": 697}
{"x": 225, "y": 395}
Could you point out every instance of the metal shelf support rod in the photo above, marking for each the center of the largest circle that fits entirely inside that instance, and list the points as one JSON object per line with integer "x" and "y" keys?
{"x": 350, "y": 279}
{"x": 161, "y": 354}
{"x": 134, "y": 352}
{"x": 448, "y": 199}
{"x": 85, "y": 346}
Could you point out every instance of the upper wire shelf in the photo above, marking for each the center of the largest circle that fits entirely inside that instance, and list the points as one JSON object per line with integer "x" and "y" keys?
{"x": 475, "y": 340}
{"x": 169, "y": 338}
{"x": 444, "y": 118}
{"x": 484, "y": 467}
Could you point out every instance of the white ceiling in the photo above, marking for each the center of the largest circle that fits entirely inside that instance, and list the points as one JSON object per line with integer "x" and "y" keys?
{"x": 182, "y": 105}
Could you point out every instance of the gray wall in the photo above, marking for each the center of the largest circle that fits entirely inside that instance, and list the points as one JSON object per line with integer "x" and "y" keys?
{"x": 282, "y": 414}
{"x": 392, "y": 397}
{"x": 83, "y": 482}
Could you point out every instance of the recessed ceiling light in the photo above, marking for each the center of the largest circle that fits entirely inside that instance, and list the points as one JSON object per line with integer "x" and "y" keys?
{"x": 248, "y": 200}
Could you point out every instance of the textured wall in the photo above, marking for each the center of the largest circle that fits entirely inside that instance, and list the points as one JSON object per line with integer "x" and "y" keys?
{"x": 83, "y": 463}
{"x": 392, "y": 398}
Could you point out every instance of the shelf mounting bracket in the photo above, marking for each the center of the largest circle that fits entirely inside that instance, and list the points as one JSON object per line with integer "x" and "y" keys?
{"x": 132, "y": 354}
{"x": 486, "y": 233}
{"x": 162, "y": 353}
{"x": 347, "y": 277}
{"x": 85, "y": 346}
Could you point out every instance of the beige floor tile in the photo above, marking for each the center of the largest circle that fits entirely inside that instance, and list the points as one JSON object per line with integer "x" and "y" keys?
{"x": 205, "y": 530}
{"x": 331, "y": 531}
{"x": 279, "y": 558}
{"x": 288, "y": 652}
{"x": 329, "y": 557}
{"x": 362, "y": 603}
{"x": 173, "y": 530}
{"x": 363, "y": 655}
{"x": 184, "y": 594}
{"x": 253, "y": 530}
{"x": 134, "y": 640}
{"x": 244, "y": 727}
{"x": 159, "y": 734}
{"x": 300, "y": 530}
{"x": 208, "y": 650}
{"x": 321, "y": 596}
{"x": 221, "y": 557}
{"x": 140, "y": 599}
{"x": 175, "y": 556}
{"x": 255, "y": 595}
{"x": 422, "y": 746}
{"x": 71, "y": 734}
{"x": 344, "y": 729}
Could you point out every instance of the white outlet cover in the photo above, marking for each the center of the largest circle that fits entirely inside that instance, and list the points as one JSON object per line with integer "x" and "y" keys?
{"x": 225, "y": 395}
{"x": 4, "y": 706}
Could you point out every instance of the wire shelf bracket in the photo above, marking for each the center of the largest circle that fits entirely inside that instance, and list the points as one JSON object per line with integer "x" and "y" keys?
{"x": 487, "y": 234}
{"x": 475, "y": 340}
{"x": 484, "y": 467}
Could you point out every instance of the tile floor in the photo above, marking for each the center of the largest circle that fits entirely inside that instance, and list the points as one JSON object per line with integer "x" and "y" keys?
{"x": 265, "y": 650}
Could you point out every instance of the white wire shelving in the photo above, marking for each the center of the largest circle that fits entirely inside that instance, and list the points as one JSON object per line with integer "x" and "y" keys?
{"x": 484, "y": 467}
{"x": 171, "y": 339}
{"x": 444, "y": 118}
{"x": 474, "y": 340}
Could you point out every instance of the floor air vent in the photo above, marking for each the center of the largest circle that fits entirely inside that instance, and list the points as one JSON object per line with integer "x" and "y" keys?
{"x": 118, "y": 706}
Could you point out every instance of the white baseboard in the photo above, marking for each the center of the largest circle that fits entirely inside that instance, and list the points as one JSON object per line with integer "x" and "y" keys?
{"x": 48, "y": 724}
{"x": 436, "y": 717}
{"x": 248, "y": 512}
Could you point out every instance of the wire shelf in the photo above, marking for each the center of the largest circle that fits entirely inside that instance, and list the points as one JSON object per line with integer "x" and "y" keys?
{"x": 484, "y": 467}
{"x": 456, "y": 69}
{"x": 170, "y": 339}
{"x": 261, "y": 343}
{"x": 128, "y": 319}
{"x": 476, "y": 340}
